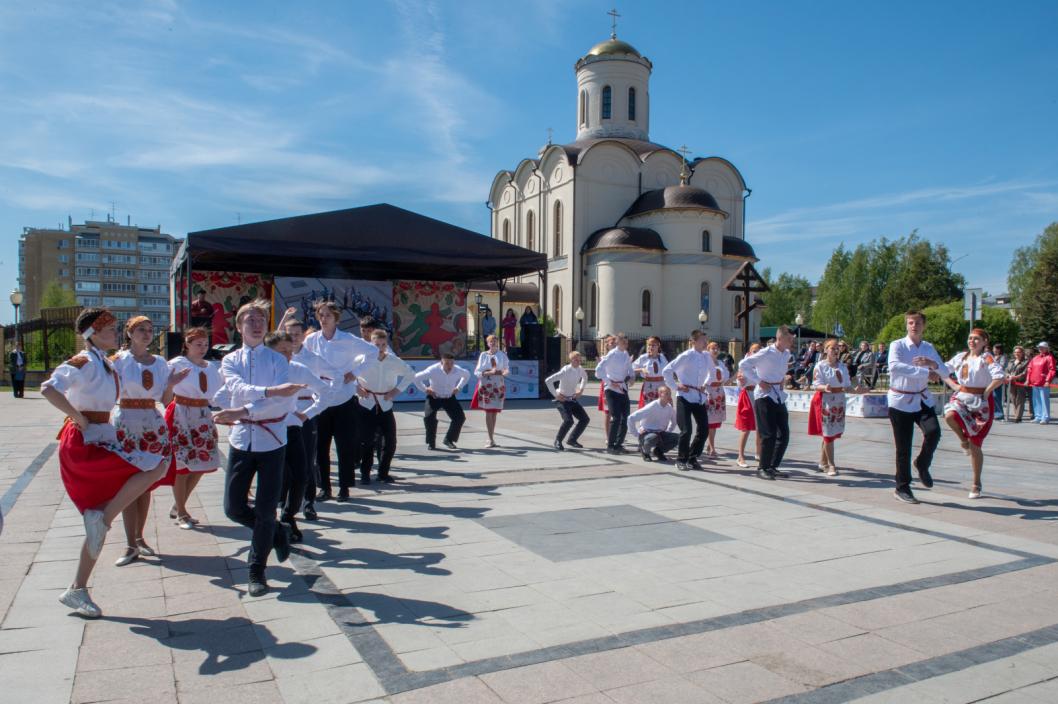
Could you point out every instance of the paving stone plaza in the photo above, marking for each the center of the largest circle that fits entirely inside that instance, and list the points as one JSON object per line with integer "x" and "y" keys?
{"x": 524, "y": 575}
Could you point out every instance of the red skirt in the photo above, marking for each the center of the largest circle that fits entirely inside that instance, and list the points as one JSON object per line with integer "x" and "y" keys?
{"x": 745, "y": 420}
{"x": 815, "y": 418}
{"x": 91, "y": 474}
{"x": 979, "y": 438}
{"x": 602, "y": 397}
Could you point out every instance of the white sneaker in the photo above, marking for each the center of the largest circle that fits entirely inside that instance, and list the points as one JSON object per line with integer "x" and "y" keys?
{"x": 974, "y": 494}
{"x": 80, "y": 602}
{"x": 95, "y": 532}
{"x": 832, "y": 471}
{"x": 742, "y": 463}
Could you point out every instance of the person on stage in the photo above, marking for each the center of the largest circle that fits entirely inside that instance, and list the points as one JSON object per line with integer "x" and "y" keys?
{"x": 690, "y": 374}
{"x": 17, "y": 361}
{"x": 192, "y": 432}
{"x": 380, "y": 378}
{"x": 509, "y": 325}
{"x": 608, "y": 343}
{"x": 257, "y": 386}
{"x": 654, "y": 425}
{"x": 99, "y": 476}
{"x": 745, "y": 419}
{"x": 338, "y": 422}
{"x": 913, "y": 364}
{"x": 144, "y": 381}
{"x": 971, "y": 409}
{"x": 717, "y": 404}
{"x": 649, "y": 365}
{"x": 766, "y": 369}
{"x": 615, "y": 371}
{"x": 441, "y": 382}
{"x": 826, "y": 417}
{"x": 491, "y": 391}
{"x": 567, "y": 385}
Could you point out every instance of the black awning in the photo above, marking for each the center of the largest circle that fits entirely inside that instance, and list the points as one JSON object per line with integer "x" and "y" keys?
{"x": 372, "y": 242}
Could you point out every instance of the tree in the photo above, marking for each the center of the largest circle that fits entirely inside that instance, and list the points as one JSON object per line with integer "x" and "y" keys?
{"x": 790, "y": 294}
{"x": 1038, "y": 311}
{"x": 922, "y": 278}
{"x": 1019, "y": 274}
{"x": 57, "y": 296}
{"x": 947, "y": 330}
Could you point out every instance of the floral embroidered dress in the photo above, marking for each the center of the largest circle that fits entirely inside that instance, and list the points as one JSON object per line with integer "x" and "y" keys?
{"x": 826, "y": 416}
{"x": 650, "y": 369}
{"x": 716, "y": 403}
{"x": 191, "y": 427}
{"x": 141, "y": 430}
{"x": 973, "y": 411}
{"x": 491, "y": 390}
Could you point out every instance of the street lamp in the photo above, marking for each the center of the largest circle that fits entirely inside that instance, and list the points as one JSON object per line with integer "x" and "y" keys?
{"x": 703, "y": 318}
{"x": 478, "y": 298}
{"x": 800, "y": 320}
{"x": 16, "y": 300}
{"x": 579, "y": 315}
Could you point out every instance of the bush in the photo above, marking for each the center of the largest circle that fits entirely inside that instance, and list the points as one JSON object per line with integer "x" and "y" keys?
{"x": 947, "y": 330}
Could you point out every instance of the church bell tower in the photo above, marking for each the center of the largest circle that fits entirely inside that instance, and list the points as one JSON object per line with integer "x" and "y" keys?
{"x": 613, "y": 91}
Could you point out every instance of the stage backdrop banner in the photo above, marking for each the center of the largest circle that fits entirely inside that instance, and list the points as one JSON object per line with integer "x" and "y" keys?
{"x": 429, "y": 319}
{"x": 225, "y": 292}
{"x": 522, "y": 382}
{"x": 355, "y": 298}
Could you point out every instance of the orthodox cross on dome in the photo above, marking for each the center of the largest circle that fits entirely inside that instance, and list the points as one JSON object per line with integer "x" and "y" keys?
{"x": 684, "y": 151}
{"x": 613, "y": 22}
{"x": 549, "y": 134}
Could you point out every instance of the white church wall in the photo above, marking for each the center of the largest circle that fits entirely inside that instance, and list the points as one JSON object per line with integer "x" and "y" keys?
{"x": 717, "y": 177}
{"x": 681, "y": 230}
{"x": 661, "y": 169}
{"x": 620, "y": 76}
{"x": 607, "y": 183}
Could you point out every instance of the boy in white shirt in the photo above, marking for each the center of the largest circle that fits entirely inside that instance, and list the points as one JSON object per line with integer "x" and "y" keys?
{"x": 566, "y": 385}
{"x": 380, "y": 377}
{"x": 445, "y": 380}
{"x": 655, "y": 425}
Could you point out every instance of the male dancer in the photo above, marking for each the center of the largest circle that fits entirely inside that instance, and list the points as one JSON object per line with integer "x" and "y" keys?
{"x": 615, "y": 371}
{"x": 689, "y": 374}
{"x": 380, "y": 376}
{"x": 255, "y": 381}
{"x": 913, "y": 363}
{"x": 766, "y": 368}
{"x": 445, "y": 380}
{"x": 566, "y": 385}
{"x": 654, "y": 424}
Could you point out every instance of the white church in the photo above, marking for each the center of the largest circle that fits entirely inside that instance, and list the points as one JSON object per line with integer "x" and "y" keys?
{"x": 639, "y": 240}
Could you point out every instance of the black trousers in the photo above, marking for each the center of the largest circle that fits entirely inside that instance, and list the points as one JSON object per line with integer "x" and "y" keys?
{"x": 773, "y": 427}
{"x": 338, "y": 423}
{"x": 571, "y": 412}
{"x": 456, "y": 418}
{"x": 657, "y": 441}
{"x": 685, "y": 413}
{"x": 904, "y": 423}
{"x": 618, "y": 405}
{"x": 19, "y": 387}
{"x": 295, "y": 472}
{"x": 243, "y": 465}
{"x": 370, "y": 421}
{"x": 312, "y": 468}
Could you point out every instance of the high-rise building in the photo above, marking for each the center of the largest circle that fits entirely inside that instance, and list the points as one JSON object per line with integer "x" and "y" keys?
{"x": 122, "y": 267}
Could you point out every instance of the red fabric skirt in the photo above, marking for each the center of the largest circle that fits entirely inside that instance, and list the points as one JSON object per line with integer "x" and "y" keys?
{"x": 602, "y": 397}
{"x": 475, "y": 404}
{"x": 170, "y": 474}
{"x": 980, "y": 437}
{"x": 815, "y": 418}
{"x": 745, "y": 420}
{"x": 91, "y": 474}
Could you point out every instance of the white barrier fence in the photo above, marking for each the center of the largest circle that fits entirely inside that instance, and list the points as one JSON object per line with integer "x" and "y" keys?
{"x": 871, "y": 405}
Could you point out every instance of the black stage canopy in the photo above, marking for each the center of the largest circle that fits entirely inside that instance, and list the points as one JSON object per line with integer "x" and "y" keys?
{"x": 372, "y": 242}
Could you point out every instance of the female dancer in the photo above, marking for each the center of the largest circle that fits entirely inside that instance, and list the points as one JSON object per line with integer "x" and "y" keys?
{"x": 971, "y": 408}
{"x": 493, "y": 366}
{"x": 509, "y": 324}
{"x": 745, "y": 420}
{"x": 145, "y": 380}
{"x": 717, "y": 403}
{"x": 97, "y": 473}
{"x": 826, "y": 416}
{"x": 649, "y": 366}
{"x": 190, "y": 422}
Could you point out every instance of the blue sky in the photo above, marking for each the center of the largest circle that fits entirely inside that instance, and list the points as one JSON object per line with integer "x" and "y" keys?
{"x": 848, "y": 120}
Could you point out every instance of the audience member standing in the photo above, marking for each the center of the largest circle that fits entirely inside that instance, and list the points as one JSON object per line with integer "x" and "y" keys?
{"x": 1040, "y": 374}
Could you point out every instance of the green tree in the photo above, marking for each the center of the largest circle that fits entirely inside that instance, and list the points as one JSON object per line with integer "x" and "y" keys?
{"x": 57, "y": 296}
{"x": 790, "y": 294}
{"x": 1019, "y": 274}
{"x": 1038, "y": 311}
{"x": 947, "y": 330}
{"x": 922, "y": 277}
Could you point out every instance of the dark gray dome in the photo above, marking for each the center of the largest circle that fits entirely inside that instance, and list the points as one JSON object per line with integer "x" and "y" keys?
{"x": 673, "y": 197}
{"x": 737, "y": 247}
{"x": 626, "y": 237}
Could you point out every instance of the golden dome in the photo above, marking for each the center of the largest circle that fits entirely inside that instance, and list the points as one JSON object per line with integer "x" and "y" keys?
{"x": 612, "y": 47}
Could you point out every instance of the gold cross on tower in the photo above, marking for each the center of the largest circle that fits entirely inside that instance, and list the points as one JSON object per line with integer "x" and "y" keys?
{"x": 613, "y": 23}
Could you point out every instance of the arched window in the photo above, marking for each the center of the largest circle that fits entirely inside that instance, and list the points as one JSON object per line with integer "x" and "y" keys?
{"x": 584, "y": 107}
{"x": 632, "y": 104}
{"x": 705, "y": 297}
{"x": 556, "y": 305}
{"x": 506, "y": 230}
{"x": 706, "y": 244}
{"x": 557, "y": 249}
{"x": 530, "y": 231}
{"x": 646, "y": 307}
{"x": 607, "y": 102}
{"x": 738, "y": 309}
{"x": 593, "y": 306}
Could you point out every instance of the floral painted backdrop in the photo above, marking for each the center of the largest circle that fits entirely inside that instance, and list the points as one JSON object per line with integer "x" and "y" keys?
{"x": 429, "y": 318}
{"x": 225, "y": 292}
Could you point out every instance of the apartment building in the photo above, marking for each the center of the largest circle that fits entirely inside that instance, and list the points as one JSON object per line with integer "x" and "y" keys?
{"x": 122, "y": 267}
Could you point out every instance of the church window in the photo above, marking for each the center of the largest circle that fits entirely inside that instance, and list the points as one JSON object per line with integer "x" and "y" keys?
{"x": 506, "y": 230}
{"x": 584, "y": 107}
{"x": 646, "y": 308}
{"x": 557, "y": 251}
{"x": 530, "y": 231}
{"x": 738, "y": 309}
{"x": 607, "y": 102}
{"x": 632, "y": 104}
{"x": 556, "y": 305}
{"x": 705, "y": 297}
{"x": 706, "y": 244}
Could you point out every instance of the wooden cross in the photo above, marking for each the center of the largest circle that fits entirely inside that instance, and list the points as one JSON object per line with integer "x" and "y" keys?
{"x": 746, "y": 281}
{"x": 613, "y": 24}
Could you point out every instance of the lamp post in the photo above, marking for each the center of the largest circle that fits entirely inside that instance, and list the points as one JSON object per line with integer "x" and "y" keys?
{"x": 799, "y": 320}
{"x": 16, "y": 301}
{"x": 703, "y": 318}
{"x": 579, "y": 315}
{"x": 478, "y": 298}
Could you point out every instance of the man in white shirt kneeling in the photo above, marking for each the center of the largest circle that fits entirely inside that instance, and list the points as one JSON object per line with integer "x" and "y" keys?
{"x": 566, "y": 385}
{"x": 655, "y": 426}
{"x": 445, "y": 380}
